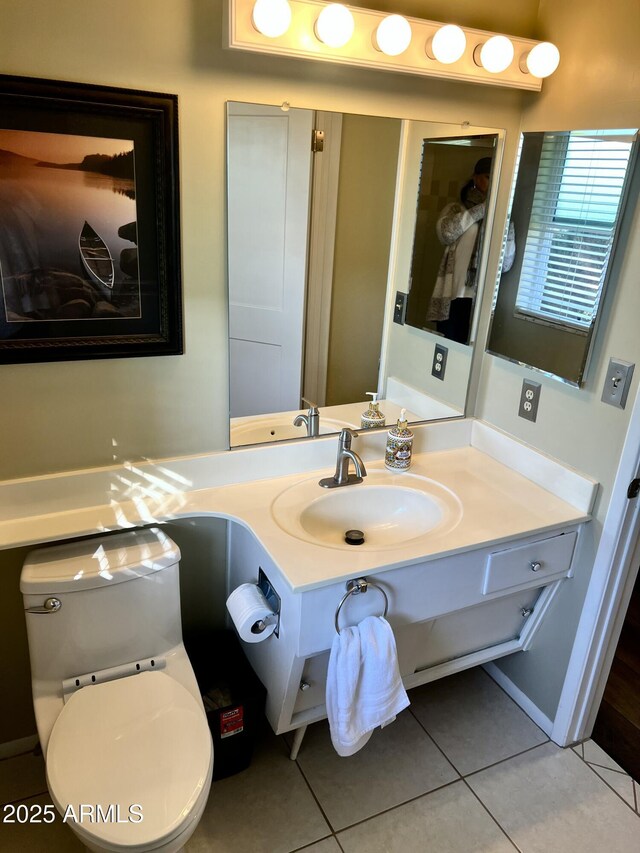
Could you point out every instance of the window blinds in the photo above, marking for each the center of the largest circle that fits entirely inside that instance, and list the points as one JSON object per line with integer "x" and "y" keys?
{"x": 573, "y": 219}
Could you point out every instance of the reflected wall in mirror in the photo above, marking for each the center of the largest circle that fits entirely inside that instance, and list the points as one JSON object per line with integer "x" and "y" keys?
{"x": 570, "y": 191}
{"x": 311, "y": 283}
{"x": 455, "y": 180}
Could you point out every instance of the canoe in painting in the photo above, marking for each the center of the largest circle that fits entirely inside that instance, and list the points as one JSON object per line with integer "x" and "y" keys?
{"x": 96, "y": 258}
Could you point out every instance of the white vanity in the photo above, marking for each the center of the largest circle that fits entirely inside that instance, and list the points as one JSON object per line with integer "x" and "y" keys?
{"x": 467, "y": 585}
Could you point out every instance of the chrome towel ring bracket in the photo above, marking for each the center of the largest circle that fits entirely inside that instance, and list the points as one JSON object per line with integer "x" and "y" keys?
{"x": 355, "y": 587}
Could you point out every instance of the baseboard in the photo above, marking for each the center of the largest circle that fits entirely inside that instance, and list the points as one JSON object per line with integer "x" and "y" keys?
{"x": 16, "y": 747}
{"x": 519, "y": 697}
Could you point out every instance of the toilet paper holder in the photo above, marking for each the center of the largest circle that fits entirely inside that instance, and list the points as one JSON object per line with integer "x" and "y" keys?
{"x": 273, "y": 600}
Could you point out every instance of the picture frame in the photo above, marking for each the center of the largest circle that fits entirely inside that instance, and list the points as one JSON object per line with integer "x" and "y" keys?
{"x": 89, "y": 222}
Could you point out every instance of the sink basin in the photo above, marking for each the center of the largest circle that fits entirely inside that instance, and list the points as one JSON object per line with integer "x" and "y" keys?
{"x": 270, "y": 428}
{"x": 390, "y": 509}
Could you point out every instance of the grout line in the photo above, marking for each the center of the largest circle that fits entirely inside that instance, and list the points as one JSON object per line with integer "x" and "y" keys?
{"x": 396, "y": 806}
{"x": 307, "y": 846}
{"x": 620, "y": 771}
{"x": 508, "y": 758}
{"x": 604, "y": 782}
{"x": 434, "y": 742}
{"x": 493, "y": 818}
{"x": 480, "y": 769}
{"x": 19, "y": 755}
{"x": 635, "y": 795}
{"x": 515, "y": 703}
{"x": 25, "y": 799}
{"x": 313, "y": 794}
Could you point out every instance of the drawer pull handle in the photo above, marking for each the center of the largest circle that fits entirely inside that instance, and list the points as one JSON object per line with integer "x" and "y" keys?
{"x": 304, "y": 685}
{"x": 535, "y": 566}
{"x": 526, "y": 611}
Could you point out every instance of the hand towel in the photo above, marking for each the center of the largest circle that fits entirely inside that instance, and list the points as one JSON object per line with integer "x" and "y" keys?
{"x": 364, "y": 688}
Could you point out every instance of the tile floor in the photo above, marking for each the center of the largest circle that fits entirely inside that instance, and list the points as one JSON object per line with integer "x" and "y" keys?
{"x": 463, "y": 770}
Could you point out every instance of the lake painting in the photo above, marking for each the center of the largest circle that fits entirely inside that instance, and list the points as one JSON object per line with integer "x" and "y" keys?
{"x": 68, "y": 233}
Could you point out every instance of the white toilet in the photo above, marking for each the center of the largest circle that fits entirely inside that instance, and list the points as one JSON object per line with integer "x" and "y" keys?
{"x": 128, "y": 750}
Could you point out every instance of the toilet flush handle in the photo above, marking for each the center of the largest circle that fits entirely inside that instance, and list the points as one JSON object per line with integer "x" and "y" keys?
{"x": 51, "y": 605}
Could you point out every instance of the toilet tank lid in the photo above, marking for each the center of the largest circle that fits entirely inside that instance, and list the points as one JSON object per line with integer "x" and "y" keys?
{"x": 98, "y": 562}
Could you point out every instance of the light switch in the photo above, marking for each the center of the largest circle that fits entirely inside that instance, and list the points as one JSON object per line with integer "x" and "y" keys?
{"x": 400, "y": 308}
{"x": 617, "y": 383}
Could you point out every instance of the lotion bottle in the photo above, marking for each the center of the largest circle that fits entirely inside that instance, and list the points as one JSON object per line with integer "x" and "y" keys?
{"x": 373, "y": 417}
{"x": 399, "y": 445}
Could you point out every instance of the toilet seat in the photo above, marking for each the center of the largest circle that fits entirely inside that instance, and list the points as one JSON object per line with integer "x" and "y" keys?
{"x": 137, "y": 740}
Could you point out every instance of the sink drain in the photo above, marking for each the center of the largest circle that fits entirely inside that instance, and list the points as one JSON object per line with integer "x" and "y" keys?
{"x": 354, "y": 537}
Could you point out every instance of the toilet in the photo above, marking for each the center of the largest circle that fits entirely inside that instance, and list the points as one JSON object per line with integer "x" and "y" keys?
{"x": 127, "y": 747}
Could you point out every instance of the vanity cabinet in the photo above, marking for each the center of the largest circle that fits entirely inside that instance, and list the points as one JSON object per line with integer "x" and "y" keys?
{"x": 447, "y": 614}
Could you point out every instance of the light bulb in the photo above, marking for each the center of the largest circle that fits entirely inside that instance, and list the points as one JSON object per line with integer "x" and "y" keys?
{"x": 495, "y": 55}
{"x": 334, "y": 25}
{"x": 393, "y": 35}
{"x": 447, "y": 45}
{"x": 542, "y": 60}
{"x": 271, "y": 17}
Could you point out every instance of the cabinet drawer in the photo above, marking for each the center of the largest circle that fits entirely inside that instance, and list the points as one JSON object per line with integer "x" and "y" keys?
{"x": 314, "y": 681}
{"x": 528, "y": 565}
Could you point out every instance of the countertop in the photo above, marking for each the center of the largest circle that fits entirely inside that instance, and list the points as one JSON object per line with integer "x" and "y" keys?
{"x": 493, "y": 477}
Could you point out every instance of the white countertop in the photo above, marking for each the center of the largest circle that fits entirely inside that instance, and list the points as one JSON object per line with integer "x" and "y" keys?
{"x": 506, "y": 490}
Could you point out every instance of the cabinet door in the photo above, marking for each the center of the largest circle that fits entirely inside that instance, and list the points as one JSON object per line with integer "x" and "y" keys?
{"x": 314, "y": 674}
{"x": 457, "y": 634}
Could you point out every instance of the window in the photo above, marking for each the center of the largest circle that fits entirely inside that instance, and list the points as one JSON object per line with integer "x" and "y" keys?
{"x": 575, "y": 210}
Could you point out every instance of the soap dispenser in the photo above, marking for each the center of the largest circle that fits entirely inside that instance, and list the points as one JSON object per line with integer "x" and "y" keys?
{"x": 399, "y": 445}
{"x": 373, "y": 417}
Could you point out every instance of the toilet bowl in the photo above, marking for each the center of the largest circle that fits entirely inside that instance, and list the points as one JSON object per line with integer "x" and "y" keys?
{"x": 128, "y": 751}
{"x": 135, "y": 747}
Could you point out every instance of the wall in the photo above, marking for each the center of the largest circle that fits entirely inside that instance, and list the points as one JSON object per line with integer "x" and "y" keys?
{"x": 366, "y": 189}
{"x": 598, "y": 46}
{"x": 74, "y": 415}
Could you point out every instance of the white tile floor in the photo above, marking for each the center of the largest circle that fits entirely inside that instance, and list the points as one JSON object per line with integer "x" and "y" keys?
{"x": 463, "y": 770}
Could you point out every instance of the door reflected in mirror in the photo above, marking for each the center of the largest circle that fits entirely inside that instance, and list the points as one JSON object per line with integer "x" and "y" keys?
{"x": 569, "y": 196}
{"x": 319, "y": 243}
{"x": 455, "y": 179}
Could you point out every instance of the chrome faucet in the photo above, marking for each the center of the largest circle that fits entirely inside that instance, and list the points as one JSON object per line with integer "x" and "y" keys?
{"x": 311, "y": 420}
{"x": 342, "y": 477}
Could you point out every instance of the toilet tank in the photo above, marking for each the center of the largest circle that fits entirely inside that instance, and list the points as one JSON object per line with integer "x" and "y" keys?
{"x": 119, "y": 602}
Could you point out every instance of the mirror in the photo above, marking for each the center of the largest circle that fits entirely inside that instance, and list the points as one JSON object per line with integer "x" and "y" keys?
{"x": 319, "y": 245}
{"x": 567, "y": 204}
{"x": 455, "y": 178}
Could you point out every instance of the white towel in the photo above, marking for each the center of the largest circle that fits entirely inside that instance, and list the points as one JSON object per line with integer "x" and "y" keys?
{"x": 364, "y": 688}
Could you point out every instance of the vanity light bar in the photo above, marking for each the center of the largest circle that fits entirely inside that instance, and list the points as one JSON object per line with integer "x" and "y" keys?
{"x": 362, "y": 43}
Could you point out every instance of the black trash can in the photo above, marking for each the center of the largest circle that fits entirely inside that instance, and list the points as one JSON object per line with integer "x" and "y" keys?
{"x": 233, "y": 698}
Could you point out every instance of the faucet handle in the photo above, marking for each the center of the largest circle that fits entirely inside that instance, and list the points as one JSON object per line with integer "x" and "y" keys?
{"x": 311, "y": 405}
{"x": 346, "y": 434}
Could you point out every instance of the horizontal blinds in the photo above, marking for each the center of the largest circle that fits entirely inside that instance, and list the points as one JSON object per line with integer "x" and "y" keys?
{"x": 573, "y": 218}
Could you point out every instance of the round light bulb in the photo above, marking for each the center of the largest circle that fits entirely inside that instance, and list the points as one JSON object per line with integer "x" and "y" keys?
{"x": 542, "y": 60}
{"x": 447, "y": 45}
{"x": 334, "y": 25}
{"x": 393, "y": 35}
{"x": 271, "y": 17}
{"x": 496, "y": 54}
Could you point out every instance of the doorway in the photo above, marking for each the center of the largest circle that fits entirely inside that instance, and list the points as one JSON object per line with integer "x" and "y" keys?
{"x": 617, "y": 726}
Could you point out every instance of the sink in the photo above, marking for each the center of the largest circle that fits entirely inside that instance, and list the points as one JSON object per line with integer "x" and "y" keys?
{"x": 390, "y": 509}
{"x": 270, "y": 428}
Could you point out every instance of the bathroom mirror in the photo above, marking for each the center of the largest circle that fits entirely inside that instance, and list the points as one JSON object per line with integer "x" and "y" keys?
{"x": 318, "y": 203}
{"x": 570, "y": 191}
{"x": 455, "y": 181}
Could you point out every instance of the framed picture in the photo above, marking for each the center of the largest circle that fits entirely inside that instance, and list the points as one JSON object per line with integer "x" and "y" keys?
{"x": 89, "y": 222}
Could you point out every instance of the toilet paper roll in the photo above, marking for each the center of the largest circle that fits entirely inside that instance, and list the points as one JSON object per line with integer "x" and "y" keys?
{"x": 250, "y": 610}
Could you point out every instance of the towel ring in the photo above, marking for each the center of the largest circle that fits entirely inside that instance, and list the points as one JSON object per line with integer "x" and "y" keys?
{"x": 355, "y": 587}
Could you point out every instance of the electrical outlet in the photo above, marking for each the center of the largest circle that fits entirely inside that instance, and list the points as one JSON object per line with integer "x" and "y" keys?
{"x": 617, "y": 382}
{"x": 529, "y": 399}
{"x": 439, "y": 361}
{"x": 400, "y": 308}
